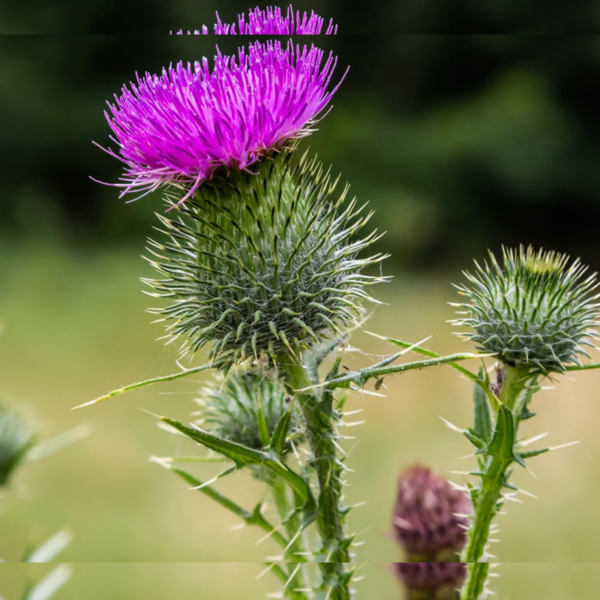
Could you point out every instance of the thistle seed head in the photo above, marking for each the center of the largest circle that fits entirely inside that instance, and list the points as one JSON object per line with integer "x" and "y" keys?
{"x": 427, "y": 518}
{"x": 234, "y": 407}
{"x": 535, "y": 311}
{"x": 261, "y": 263}
{"x": 16, "y": 439}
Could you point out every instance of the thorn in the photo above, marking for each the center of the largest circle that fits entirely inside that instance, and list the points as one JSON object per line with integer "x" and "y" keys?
{"x": 564, "y": 445}
{"x": 292, "y": 575}
{"x": 265, "y": 571}
{"x": 537, "y": 438}
{"x": 268, "y": 535}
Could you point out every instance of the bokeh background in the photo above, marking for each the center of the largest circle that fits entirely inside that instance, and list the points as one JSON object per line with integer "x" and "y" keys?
{"x": 460, "y": 143}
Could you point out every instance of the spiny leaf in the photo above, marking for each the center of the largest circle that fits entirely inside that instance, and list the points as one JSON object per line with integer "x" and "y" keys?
{"x": 503, "y": 440}
{"x": 281, "y": 431}
{"x": 242, "y": 456}
{"x": 50, "y": 548}
{"x": 140, "y": 384}
{"x": 251, "y": 518}
{"x": 483, "y": 421}
{"x": 50, "y": 584}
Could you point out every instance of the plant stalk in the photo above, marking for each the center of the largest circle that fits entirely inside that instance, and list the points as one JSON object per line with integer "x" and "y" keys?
{"x": 320, "y": 420}
{"x": 489, "y": 495}
{"x": 293, "y": 530}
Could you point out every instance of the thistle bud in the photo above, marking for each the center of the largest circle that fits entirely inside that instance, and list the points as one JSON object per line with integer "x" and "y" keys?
{"x": 245, "y": 408}
{"x": 535, "y": 312}
{"x": 429, "y": 518}
{"x": 259, "y": 264}
{"x": 16, "y": 439}
{"x": 432, "y": 581}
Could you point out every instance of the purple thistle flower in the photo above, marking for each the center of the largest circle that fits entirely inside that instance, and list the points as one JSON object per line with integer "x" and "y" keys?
{"x": 181, "y": 126}
{"x": 271, "y": 21}
{"x": 427, "y": 518}
{"x": 432, "y": 580}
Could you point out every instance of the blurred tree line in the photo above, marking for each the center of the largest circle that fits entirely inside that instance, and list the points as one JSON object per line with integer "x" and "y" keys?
{"x": 460, "y": 142}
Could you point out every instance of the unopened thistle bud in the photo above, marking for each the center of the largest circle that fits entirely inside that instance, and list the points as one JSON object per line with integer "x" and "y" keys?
{"x": 430, "y": 516}
{"x": 263, "y": 263}
{"x": 16, "y": 439}
{"x": 245, "y": 408}
{"x": 432, "y": 581}
{"x": 535, "y": 311}
{"x": 235, "y": 407}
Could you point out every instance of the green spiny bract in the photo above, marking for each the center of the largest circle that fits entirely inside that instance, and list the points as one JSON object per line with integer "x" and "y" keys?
{"x": 247, "y": 400}
{"x": 535, "y": 312}
{"x": 261, "y": 263}
{"x": 16, "y": 439}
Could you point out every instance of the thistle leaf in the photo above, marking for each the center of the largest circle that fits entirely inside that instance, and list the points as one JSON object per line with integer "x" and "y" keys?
{"x": 281, "y": 431}
{"x": 243, "y": 456}
{"x": 483, "y": 421}
{"x": 503, "y": 440}
{"x": 50, "y": 548}
{"x": 50, "y": 584}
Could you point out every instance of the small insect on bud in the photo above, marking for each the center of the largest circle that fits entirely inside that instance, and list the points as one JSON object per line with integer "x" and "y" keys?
{"x": 16, "y": 439}
{"x": 429, "y": 517}
{"x": 535, "y": 311}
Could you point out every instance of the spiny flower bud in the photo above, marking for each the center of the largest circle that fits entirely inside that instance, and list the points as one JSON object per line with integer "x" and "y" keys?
{"x": 16, "y": 439}
{"x": 535, "y": 312}
{"x": 262, "y": 263}
{"x": 432, "y": 581}
{"x": 429, "y": 517}
{"x": 235, "y": 407}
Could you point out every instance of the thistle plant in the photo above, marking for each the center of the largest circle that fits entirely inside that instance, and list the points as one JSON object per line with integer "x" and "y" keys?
{"x": 429, "y": 523}
{"x": 18, "y": 445}
{"x": 263, "y": 263}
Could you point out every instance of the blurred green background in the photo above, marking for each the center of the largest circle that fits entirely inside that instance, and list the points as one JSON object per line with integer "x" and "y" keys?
{"x": 460, "y": 143}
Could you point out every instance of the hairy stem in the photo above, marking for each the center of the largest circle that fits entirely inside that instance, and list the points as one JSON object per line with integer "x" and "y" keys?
{"x": 498, "y": 458}
{"x": 320, "y": 419}
{"x": 293, "y": 530}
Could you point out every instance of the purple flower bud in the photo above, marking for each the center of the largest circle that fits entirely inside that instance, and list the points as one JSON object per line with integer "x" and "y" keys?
{"x": 271, "y": 21}
{"x": 437, "y": 581}
{"x": 181, "y": 126}
{"x": 427, "y": 518}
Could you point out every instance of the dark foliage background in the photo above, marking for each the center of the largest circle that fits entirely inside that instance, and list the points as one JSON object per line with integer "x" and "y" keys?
{"x": 459, "y": 142}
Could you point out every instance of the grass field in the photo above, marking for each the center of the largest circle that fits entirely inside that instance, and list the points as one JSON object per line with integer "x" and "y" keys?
{"x": 75, "y": 327}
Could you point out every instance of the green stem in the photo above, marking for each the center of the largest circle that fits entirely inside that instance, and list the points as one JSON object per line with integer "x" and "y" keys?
{"x": 293, "y": 529}
{"x": 320, "y": 418}
{"x": 497, "y": 461}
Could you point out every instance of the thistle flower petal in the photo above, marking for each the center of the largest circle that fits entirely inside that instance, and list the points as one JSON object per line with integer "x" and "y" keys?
{"x": 184, "y": 125}
{"x": 271, "y": 21}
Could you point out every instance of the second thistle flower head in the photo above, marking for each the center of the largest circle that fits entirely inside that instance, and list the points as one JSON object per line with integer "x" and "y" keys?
{"x": 16, "y": 439}
{"x": 430, "y": 516}
{"x": 535, "y": 310}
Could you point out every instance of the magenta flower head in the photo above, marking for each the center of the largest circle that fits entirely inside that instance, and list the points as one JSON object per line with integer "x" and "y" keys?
{"x": 271, "y": 21}
{"x": 182, "y": 126}
{"x": 430, "y": 516}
